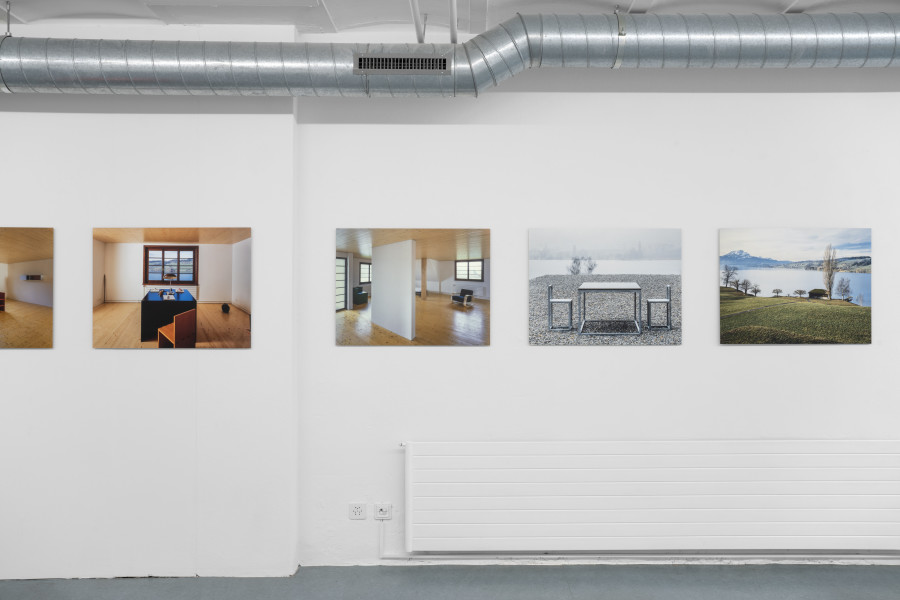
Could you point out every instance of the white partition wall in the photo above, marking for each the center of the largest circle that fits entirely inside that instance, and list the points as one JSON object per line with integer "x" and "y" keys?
{"x": 241, "y": 275}
{"x": 394, "y": 288}
{"x": 106, "y": 471}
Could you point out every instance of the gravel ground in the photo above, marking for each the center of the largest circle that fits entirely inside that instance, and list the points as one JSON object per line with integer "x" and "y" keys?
{"x": 610, "y": 308}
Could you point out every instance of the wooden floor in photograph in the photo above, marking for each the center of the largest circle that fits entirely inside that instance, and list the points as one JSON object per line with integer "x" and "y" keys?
{"x": 439, "y": 322}
{"x": 118, "y": 325}
{"x": 24, "y": 325}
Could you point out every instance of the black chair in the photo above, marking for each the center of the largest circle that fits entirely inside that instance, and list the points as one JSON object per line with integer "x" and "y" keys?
{"x": 359, "y": 296}
{"x": 465, "y": 297}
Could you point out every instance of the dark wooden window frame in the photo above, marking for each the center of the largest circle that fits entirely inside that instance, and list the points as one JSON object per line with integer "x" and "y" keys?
{"x": 361, "y": 282}
{"x": 478, "y": 260}
{"x": 162, "y": 282}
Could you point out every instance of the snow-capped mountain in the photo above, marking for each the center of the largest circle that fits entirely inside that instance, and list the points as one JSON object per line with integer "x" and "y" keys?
{"x": 741, "y": 259}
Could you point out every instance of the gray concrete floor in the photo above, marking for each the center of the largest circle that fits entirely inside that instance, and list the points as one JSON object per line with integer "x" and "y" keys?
{"x": 651, "y": 582}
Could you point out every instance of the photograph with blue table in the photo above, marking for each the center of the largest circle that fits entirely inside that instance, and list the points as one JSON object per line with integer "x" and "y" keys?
{"x": 172, "y": 287}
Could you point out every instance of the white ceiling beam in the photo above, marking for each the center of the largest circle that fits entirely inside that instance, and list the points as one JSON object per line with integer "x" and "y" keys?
{"x": 327, "y": 12}
{"x": 799, "y": 6}
{"x": 478, "y": 16}
{"x": 640, "y": 6}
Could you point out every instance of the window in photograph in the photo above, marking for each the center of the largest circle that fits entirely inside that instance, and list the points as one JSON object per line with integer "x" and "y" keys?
{"x": 171, "y": 264}
{"x": 340, "y": 283}
{"x": 470, "y": 270}
{"x": 365, "y": 273}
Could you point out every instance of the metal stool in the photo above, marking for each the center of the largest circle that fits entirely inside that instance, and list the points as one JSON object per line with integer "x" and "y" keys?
{"x": 550, "y": 302}
{"x": 668, "y": 302}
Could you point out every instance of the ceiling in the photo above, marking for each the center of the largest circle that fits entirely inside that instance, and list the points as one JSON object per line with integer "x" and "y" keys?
{"x": 171, "y": 235}
{"x": 23, "y": 244}
{"x": 436, "y": 244}
{"x": 329, "y": 16}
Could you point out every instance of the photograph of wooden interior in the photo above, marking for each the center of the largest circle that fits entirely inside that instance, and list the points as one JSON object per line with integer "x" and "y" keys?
{"x": 175, "y": 287}
{"x": 412, "y": 287}
{"x": 26, "y": 287}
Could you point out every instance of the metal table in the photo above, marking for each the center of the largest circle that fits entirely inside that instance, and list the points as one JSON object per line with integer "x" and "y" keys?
{"x": 609, "y": 286}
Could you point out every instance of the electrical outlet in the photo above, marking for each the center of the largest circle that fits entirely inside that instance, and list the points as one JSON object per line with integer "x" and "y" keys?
{"x": 383, "y": 512}
{"x": 358, "y": 511}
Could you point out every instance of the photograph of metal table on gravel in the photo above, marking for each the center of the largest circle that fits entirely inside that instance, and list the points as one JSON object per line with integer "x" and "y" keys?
{"x": 612, "y": 287}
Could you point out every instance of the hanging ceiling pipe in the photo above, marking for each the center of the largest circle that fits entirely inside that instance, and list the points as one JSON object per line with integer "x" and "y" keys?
{"x": 776, "y": 41}
{"x": 453, "y": 20}
{"x": 8, "y": 19}
{"x": 417, "y": 20}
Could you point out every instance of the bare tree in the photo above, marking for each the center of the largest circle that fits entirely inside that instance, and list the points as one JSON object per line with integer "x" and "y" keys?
{"x": 745, "y": 285}
{"x": 589, "y": 264}
{"x": 843, "y": 288}
{"x": 736, "y": 283}
{"x": 728, "y": 274}
{"x": 755, "y": 289}
{"x": 828, "y": 264}
{"x": 799, "y": 293}
{"x": 777, "y": 291}
{"x": 575, "y": 267}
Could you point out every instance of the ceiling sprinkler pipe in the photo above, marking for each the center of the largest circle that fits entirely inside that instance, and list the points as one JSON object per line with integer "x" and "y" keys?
{"x": 778, "y": 41}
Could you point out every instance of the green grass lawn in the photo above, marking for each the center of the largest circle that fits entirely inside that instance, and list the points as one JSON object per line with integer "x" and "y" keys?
{"x": 797, "y": 322}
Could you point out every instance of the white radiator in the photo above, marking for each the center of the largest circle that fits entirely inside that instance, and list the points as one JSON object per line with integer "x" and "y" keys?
{"x": 632, "y": 496}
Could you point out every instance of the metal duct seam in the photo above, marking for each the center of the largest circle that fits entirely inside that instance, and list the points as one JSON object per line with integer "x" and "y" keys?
{"x": 3, "y": 88}
{"x": 522, "y": 42}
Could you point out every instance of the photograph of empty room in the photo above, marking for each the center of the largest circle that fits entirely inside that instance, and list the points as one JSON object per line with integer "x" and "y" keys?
{"x": 26, "y": 287}
{"x": 413, "y": 287}
{"x": 176, "y": 287}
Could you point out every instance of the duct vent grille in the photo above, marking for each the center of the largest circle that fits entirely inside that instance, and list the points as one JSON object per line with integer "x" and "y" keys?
{"x": 409, "y": 64}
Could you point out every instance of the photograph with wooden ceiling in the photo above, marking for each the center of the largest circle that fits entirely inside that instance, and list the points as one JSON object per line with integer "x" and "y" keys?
{"x": 412, "y": 287}
{"x": 26, "y": 287}
{"x": 182, "y": 287}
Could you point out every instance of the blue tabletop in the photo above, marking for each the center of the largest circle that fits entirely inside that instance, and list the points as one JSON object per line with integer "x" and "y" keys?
{"x": 184, "y": 296}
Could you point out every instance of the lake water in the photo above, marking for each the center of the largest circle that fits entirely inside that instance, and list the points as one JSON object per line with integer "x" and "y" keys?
{"x": 536, "y": 268}
{"x": 794, "y": 279}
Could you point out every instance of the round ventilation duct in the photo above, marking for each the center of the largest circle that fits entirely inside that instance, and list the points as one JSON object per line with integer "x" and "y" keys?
{"x": 779, "y": 41}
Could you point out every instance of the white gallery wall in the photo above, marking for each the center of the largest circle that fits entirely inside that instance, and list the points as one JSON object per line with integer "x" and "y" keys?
{"x": 245, "y": 463}
{"x": 33, "y": 292}
{"x": 4, "y": 271}
{"x": 697, "y": 154}
{"x": 105, "y": 471}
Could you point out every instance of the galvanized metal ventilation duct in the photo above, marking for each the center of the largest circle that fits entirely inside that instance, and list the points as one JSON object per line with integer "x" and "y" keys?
{"x": 597, "y": 41}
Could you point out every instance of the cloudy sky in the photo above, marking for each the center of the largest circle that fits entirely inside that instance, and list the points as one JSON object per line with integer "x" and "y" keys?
{"x": 605, "y": 244}
{"x": 796, "y": 244}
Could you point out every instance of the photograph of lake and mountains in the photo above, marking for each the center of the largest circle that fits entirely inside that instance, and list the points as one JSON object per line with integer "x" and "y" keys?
{"x": 610, "y": 287}
{"x": 795, "y": 286}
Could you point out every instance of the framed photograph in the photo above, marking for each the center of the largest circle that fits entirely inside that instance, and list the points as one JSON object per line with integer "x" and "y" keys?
{"x": 795, "y": 286}
{"x": 614, "y": 287}
{"x": 26, "y": 287}
{"x": 412, "y": 287}
{"x": 175, "y": 287}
